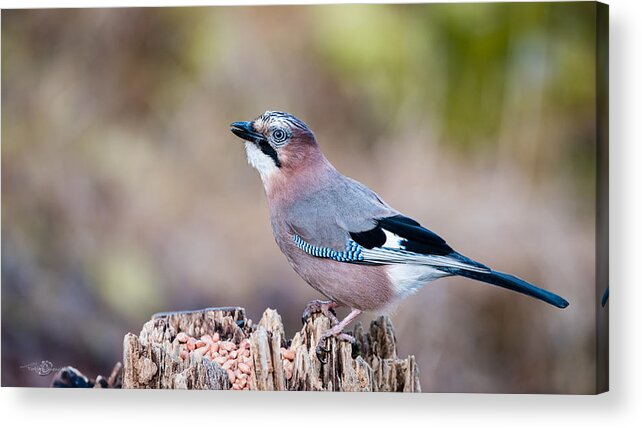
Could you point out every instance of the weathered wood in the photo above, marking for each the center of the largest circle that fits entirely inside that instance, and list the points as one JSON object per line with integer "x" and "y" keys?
{"x": 159, "y": 358}
{"x": 151, "y": 360}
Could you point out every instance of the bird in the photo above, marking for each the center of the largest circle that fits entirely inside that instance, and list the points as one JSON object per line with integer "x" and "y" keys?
{"x": 342, "y": 238}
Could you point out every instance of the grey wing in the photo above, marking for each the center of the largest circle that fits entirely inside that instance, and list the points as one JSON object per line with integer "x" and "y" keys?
{"x": 348, "y": 222}
{"x": 326, "y": 217}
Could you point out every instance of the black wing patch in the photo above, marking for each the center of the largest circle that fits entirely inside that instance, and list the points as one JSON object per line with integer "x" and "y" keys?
{"x": 411, "y": 244}
{"x": 415, "y": 238}
{"x": 418, "y": 239}
{"x": 370, "y": 238}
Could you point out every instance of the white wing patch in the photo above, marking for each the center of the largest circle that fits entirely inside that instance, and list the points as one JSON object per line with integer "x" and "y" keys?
{"x": 394, "y": 252}
{"x": 392, "y": 241}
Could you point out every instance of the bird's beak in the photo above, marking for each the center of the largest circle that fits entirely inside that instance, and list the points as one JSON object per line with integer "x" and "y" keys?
{"x": 245, "y": 131}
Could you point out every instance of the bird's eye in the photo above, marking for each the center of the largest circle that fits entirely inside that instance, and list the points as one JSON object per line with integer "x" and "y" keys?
{"x": 279, "y": 136}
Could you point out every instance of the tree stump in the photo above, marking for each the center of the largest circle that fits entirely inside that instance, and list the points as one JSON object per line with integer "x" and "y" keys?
{"x": 218, "y": 348}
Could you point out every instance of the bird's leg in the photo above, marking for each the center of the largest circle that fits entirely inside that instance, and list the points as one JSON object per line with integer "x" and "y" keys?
{"x": 336, "y": 331}
{"x": 326, "y": 307}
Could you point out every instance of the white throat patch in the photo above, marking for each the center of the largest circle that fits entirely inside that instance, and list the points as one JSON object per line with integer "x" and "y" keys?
{"x": 263, "y": 163}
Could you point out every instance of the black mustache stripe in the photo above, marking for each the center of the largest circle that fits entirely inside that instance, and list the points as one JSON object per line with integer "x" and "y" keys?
{"x": 267, "y": 149}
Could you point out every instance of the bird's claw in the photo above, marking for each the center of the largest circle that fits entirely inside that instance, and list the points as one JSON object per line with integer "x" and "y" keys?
{"x": 347, "y": 337}
{"x": 326, "y": 307}
{"x": 322, "y": 350}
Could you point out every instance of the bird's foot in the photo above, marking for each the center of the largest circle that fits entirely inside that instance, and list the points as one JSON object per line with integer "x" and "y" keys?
{"x": 322, "y": 350}
{"x": 336, "y": 331}
{"x": 326, "y": 307}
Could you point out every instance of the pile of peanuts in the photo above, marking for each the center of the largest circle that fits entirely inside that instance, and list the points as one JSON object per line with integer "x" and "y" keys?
{"x": 235, "y": 359}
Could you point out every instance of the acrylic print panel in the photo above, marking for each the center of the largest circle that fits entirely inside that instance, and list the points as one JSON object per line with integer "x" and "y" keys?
{"x": 126, "y": 192}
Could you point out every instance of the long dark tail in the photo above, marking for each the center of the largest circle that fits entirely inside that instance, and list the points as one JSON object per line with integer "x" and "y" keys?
{"x": 514, "y": 283}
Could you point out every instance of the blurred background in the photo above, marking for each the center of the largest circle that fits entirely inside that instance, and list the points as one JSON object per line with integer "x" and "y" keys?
{"x": 125, "y": 194}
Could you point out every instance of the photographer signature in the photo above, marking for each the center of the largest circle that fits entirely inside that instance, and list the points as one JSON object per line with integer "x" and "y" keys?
{"x": 42, "y": 368}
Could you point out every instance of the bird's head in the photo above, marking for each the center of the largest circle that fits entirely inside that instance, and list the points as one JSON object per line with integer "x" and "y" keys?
{"x": 276, "y": 142}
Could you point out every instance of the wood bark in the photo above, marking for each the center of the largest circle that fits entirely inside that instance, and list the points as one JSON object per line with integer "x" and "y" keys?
{"x": 153, "y": 358}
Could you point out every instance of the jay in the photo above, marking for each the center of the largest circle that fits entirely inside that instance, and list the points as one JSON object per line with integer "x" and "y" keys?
{"x": 341, "y": 237}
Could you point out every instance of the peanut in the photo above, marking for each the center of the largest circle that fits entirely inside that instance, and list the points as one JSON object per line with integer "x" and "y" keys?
{"x": 182, "y": 337}
{"x": 229, "y": 364}
{"x": 244, "y": 368}
{"x": 201, "y": 351}
{"x": 191, "y": 344}
{"x": 288, "y": 366}
{"x": 231, "y": 375}
{"x": 288, "y": 354}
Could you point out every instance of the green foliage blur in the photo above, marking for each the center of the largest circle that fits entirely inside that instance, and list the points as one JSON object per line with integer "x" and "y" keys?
{"x": 124, "y": 193}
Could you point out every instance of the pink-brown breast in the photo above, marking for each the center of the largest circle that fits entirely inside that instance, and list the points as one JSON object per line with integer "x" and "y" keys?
{"x": 357, "y": 286}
